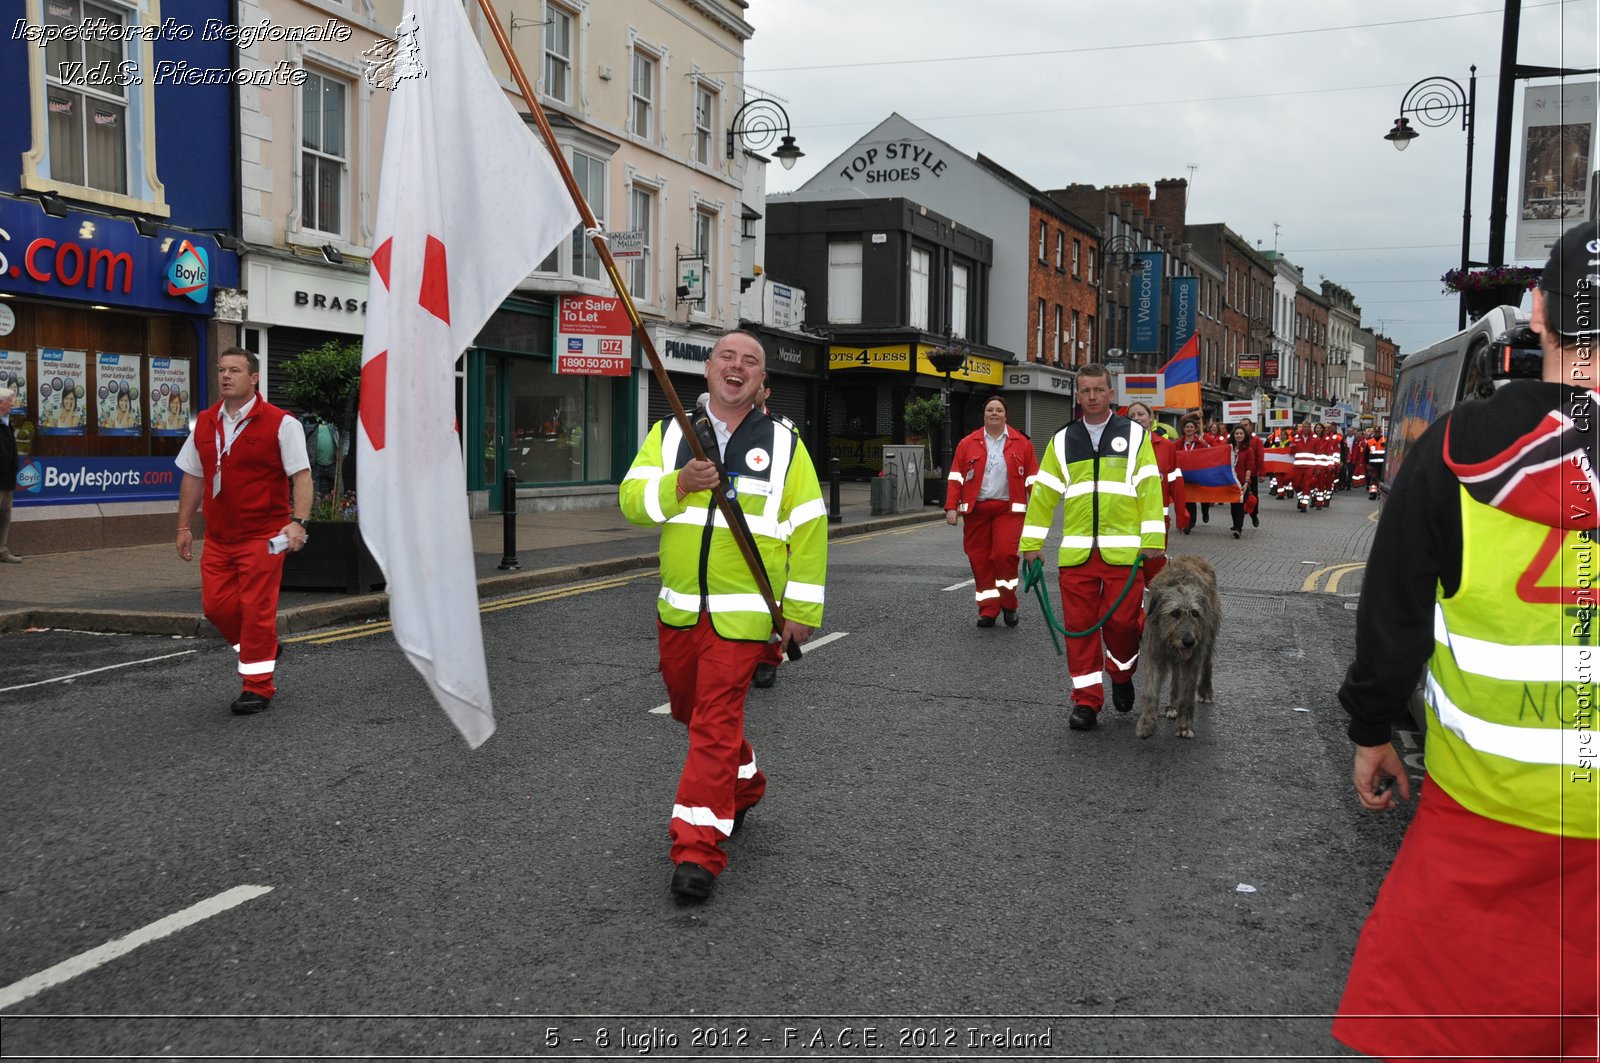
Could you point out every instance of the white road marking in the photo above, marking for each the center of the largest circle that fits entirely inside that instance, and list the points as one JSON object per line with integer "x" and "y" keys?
{"x": 69, "y": 969}
{"x": 814, "y": 644}
{"x": 963, "y": 583}
{"x": 92, "y": 671}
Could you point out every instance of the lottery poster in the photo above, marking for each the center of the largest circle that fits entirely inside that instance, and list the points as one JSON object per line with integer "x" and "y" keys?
{"x": 14, "y": 375}
{"x": 116, "y": 392}
{"x": 63, "y": 386}
{"x": 169, "y": 396}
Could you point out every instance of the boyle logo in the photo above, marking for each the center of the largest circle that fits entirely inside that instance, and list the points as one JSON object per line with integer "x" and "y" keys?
{"x": 30, "y": 478}
{"x": 188, "y": 273}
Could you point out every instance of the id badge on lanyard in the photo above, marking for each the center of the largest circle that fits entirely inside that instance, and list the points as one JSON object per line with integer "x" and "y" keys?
{"x": 222, "y": 451}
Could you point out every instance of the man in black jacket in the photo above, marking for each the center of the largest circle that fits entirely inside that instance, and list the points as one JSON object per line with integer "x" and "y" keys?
{"x": 8, "y": 472}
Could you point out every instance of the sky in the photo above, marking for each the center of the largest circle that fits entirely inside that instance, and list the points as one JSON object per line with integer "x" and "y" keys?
{"x": 1279, "y": 130}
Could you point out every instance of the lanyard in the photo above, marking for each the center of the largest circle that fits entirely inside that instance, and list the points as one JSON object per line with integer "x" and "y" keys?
{"x": 232, "y": 433}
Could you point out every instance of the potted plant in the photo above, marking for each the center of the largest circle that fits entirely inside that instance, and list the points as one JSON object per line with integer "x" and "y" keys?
{"x": 924, "y": 417}
{"x": 325, "y": 382}
{"x": 1485, "y": 289}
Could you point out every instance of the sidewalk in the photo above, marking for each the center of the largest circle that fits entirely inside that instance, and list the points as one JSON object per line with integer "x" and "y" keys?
{"x": 147, "y": 590}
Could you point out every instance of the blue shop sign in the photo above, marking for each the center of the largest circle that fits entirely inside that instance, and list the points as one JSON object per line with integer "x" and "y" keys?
{"x": 97, "y": 259}
{"x": 45, "y": 480}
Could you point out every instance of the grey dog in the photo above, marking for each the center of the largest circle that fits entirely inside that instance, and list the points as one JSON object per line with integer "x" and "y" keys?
{"x": 1180, "y": 634}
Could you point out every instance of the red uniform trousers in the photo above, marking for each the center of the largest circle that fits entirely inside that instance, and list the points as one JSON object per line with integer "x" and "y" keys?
{"x": 1481, "y": 944}
{"x": 989, "y": 535}
{"x": 239, "y": 594}
{"x": 707, "y": 677}
{"x": 1087, "y": 591}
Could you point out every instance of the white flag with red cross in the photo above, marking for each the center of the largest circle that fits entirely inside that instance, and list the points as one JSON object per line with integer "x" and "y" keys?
{"x": 469, "y": 202}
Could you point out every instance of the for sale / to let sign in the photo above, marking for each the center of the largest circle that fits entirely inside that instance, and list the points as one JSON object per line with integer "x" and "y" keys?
{"x": 592, "y": 333}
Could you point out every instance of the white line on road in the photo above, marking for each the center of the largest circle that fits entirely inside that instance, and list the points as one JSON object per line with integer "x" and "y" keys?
{"x": 66, "y": 970}
{"x": 813, "y": 645}
{"x": 92, "y": 671}
{"x": 963, "y": 583}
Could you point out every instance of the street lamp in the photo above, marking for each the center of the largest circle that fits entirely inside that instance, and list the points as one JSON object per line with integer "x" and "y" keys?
{"x": 1121, "y": 251}
{"x": 1435, "y": 101}
{"x": 763, "y": 120}
{"x": 946, "y": 360}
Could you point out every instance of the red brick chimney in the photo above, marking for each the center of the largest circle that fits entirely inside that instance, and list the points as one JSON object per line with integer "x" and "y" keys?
{"x": 1171, "y": 205}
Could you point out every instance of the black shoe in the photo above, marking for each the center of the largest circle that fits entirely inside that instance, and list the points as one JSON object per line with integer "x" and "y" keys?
{"x": 1205, "y": 515}
{"x": 986, "y": 621}
{"x": 1255, "y": 521}
{"x": 1236, "y": 533}
{"x": 1122, "y": 694}
{"x": 248, "y": 704}
{"x": 738, "y": 819}
{"x": 1189, "y": 529}
{"x": 691, "y": 882}
{"x": 1083, "y": 718}
{"x": 766, "y": 675}
{"x": 1012, "y": 619}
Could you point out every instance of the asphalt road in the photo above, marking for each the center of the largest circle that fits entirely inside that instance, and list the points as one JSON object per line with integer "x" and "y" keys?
{"x": 939, "y": 860}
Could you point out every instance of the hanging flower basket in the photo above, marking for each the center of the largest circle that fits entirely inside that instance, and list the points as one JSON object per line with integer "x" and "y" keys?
{"x": 1485, "y": 289}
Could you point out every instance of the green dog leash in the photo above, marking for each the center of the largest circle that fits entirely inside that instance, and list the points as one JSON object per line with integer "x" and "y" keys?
{"x": 1033, "y": 580}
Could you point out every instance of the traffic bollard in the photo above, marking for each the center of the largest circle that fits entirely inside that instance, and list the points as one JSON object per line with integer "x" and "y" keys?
{"x": 508, "y": 490}
{"x": 835, "y": 515}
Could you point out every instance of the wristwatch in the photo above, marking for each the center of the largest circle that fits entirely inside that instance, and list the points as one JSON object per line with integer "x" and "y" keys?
{"x": 298, "y": 520}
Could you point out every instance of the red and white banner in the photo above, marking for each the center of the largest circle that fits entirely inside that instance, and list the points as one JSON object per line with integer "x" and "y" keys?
{"x": 1236, "y": 410}
{"x": 592, "y": 334}
{"x": 469, "y": 202}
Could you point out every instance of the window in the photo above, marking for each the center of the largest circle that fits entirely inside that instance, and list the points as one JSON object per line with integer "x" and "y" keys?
{"x": 1038, "y": 331}
{"x": 322, "y": 152}
{"x": 1056, "y": 357}
{"x": 641, "y": 114}
{"x": 1077, "y": 258}
{"x": 705, "y": 109}
{"x": 641, "y": 218}
{"x": 958, "y": 301}
{"x": 705, "y": 245}
{"x": 590, "y": 174}
{"x": 87, "y": 123}
{"x": 1091, "y": 338}
{"x": 1041, "y": 241}
{"x": 1061, "y": 240}
{"x": 917, "y": 311}
{"x": 1072, "y": 345}
{"x": 558, "y": 53}
{"x": 844, "y": 283}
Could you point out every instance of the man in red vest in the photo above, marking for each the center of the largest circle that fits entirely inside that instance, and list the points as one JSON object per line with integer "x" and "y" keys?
{"x": 239, "y": 464}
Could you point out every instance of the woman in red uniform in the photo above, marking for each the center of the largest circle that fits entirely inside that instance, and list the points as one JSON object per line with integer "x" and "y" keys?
{"x": 1191, "y": 438}
{"x": 1173, "y": 499}
{"x": 1244, "y": 470}
{"x": 990, "y": 475}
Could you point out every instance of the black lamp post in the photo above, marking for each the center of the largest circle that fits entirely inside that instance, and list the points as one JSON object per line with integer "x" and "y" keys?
{"x": 763, "y": 120}
{"x": 1435, "y": 101}
{"x": 946, "y": 360}
{"x": 1122, "y": 251}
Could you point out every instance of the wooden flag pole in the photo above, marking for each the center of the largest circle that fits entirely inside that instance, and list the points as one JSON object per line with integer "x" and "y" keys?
{"x": 724, "y": 504}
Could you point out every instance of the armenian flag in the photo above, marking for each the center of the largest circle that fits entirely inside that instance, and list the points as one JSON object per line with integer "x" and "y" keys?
{"x": 1182, "y": 377}
{"x": 1208, "y": 474}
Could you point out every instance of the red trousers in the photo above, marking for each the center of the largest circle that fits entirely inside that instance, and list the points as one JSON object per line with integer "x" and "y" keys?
{"x": 989, "y": 535}
{"x": 239, "y": 594}
{"x": 1482, "y": 943}
{"x": 707, "y": 677}
{"x": 1087, "y": 591}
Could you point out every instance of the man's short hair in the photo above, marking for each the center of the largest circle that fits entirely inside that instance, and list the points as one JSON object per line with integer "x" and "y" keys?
{"x": 249, "y": 356}
{"x": 1094, "y": 369}
{"x": 6, "y": 394}
{"x": 750, "y": 335}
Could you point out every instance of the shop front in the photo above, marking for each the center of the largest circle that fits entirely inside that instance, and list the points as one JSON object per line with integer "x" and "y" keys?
{"x": 1040, "y": 400}
{"x": 107, "y": 336}
{"x": 295, "y": 305}
{"x": 869, "y": 384}
{"x": 563, "y": 424}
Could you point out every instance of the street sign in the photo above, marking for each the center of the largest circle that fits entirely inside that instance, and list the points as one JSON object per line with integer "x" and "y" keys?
{"x": 626, "y": 245}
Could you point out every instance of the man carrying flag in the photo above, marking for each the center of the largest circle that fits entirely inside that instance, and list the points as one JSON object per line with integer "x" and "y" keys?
{"x": 711, "y": 622}
{"x": 452, "y": 242}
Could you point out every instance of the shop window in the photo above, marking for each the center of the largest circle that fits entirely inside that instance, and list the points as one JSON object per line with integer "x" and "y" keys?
{"x": 92, "y": 144}
{"x": 844, "y": 282}
{"x": 560, "y": 429}
{"x": 641, "y": 110}
{"x": 958, "y": 300}
{"x": 705, "y": 123}
{"x": 558, "y": 53}
{"x": 918, "y": 289}
{"x": 324, "y": 153}
{"x": 641, "y": 218}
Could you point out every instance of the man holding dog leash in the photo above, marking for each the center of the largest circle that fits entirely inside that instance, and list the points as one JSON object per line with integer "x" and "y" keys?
{"x": 1103, "y": 471}
{"x": 1482, "y": 940}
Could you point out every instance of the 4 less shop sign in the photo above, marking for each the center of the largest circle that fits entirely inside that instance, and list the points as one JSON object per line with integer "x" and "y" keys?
{"x": 592, "y": 333}
{"x": 976, "y": 368}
